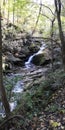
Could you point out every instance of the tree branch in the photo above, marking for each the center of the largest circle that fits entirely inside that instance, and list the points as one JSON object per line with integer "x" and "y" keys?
{"x": 46, "y": 17}
{"x": 44, "y": 6}
{"x": 37, "y": 18}
{"x": 48, "y": 8}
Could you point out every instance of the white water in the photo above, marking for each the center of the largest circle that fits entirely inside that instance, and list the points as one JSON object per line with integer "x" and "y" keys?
{"x": 28, "y": 64}
{"x": 13, "y": 105}
{"x": 18, "y": 88}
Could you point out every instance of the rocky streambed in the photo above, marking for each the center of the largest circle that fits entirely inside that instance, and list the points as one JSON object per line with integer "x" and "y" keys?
{"x": 21, "y": 81}
{"x": 24, "y": 67}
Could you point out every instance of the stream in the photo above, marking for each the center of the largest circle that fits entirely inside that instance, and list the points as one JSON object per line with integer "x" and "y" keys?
{"x": 18, "y": 87}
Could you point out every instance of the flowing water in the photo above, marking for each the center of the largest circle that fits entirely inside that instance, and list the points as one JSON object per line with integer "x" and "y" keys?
{"x": 29, "y": 64}
{"x": 17, "y": 89}
{"x": 19, "y": 86}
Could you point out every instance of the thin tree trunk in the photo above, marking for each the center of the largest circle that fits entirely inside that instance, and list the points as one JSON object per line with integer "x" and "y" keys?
{"x": 8, "y": 13}
{"x": 52, "y": 53}
{"x": 13, "y": 10}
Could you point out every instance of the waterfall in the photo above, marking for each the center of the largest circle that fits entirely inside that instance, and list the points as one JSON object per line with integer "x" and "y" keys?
{"x": 28, "y": 64}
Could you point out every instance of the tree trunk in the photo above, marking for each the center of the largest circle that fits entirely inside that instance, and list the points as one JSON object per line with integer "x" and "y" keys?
{"x": 2, "y": 88}
{"x": 58, "y": 11}
{"x": 52, "y": 53}
{"x": 62, "y": 41}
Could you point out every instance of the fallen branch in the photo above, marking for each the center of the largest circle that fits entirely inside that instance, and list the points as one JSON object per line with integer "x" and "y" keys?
{"x": 45, "y": 38}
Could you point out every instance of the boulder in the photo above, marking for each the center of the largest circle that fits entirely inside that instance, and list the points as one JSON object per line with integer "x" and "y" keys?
{"x": 42, "y": 58}
{"x": 13, "y": 60}
{"x": 33, "y": 48}
{"x": 20, "y": 55}
{"x": 25, "y": 50}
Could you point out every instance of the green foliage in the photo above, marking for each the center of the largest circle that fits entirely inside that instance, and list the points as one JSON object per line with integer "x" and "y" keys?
{"x": 26, "y": 11}
{"x": 57, "y": 77}
{"x": 40, "y": 96}
{"x": 62, "y": 110}
{"x": 33, "y": 100}
{"x": 55, "y": 124}
{"x": 52, "y": 108}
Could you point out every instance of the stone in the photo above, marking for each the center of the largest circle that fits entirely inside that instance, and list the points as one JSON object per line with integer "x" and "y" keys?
{"x": 33, "y": 48}
{"x": 25, "y": 51}
{"x": 42, "y": 58}
{"x": 13, "y": 60}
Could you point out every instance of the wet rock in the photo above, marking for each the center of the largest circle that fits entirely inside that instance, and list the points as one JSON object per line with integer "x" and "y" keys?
{"x": 42, "y": 58}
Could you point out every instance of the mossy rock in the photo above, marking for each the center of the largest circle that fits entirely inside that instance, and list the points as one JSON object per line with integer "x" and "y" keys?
{"x": 34, "y": 48}
{"x": 40, "y": 59}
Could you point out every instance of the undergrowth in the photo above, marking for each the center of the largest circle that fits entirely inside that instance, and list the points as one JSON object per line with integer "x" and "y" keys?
{"x": 39, "y": 96}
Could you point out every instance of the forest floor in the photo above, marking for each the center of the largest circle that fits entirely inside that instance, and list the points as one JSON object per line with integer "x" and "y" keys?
{"x": 53, "y": 117}
{"x": 45, "y": 108}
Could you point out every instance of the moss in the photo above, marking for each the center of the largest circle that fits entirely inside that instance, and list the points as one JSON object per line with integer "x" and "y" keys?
{"x": 38, "y": 59}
